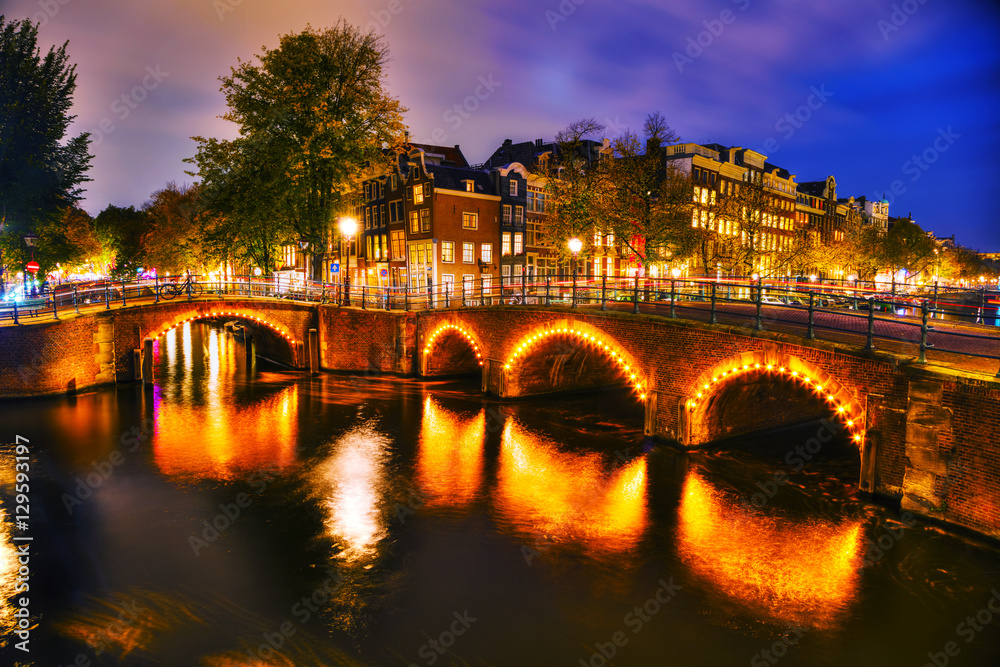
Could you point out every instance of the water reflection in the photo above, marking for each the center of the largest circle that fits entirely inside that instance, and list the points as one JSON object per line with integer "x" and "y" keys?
{"x": 564, "y": 496}
{"x": 353, "y": 484}
{"x": 801, "y": 572}
{"x": 450, "y": 456}
{"x": 8, "y": 576}
{"x": 204, "y": 432}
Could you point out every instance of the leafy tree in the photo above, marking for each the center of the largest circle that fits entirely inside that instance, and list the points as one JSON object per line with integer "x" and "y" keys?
{"x": 173, "y": 242}
{"x": 645, "y": 202}
{"x": 40, "y": 173}
{"x": 960, "y": 263}
{"x": 124, "y": 230}
{"x": 907, "y": 246}
{"x": 572, "y": 184}
{"x": 316, "y": 109}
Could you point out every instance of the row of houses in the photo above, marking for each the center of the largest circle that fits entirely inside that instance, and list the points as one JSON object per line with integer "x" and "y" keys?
{"x": 436, "y": 220}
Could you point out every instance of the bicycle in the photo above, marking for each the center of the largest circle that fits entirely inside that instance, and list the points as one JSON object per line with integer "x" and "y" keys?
{"x": 190, "y": 287}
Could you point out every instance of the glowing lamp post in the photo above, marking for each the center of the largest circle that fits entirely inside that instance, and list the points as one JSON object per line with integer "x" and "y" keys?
{"x": 348, "y": 228}
{"x": 575, "y": 245}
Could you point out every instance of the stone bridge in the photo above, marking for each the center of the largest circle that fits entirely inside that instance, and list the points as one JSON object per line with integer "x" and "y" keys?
{"x": 925, "y": 435}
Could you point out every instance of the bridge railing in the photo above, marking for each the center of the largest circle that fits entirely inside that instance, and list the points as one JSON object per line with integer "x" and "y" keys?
{"x": 836, "y": 311}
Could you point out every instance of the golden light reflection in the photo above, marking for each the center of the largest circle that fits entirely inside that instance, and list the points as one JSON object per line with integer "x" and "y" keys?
{"x": 222, "y": 438}
{"x": 8, "y": 577}
{"x": 450, "y": 455}
{"x": 353, "y": 481}
{"x": 799, "y": 572}
{"x": 560, "y": 496}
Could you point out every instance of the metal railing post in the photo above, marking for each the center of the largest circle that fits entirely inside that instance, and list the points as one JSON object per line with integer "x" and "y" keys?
{"x": 574, "y": 286}
{"x": 107, "y": 295}
{"x": 464, "y": 300}
{"x": 76, "y": 300}
{"x": 923, "y": 332}
{"x": 524, "y": 291}
{"x": 758, "y": 325}
{"x": 363, "y": 297}
{"x": 548, "y": 285}
{"x": 712, "y": 319}
{"x": 55, "y": 311}
{"x": 604, "y": 292}
{"x": 810, "y": 333}
{"x": 635, "y": 295}
{"x": 501, "y": 287}
{"x": 15, "y": 313}
{"x": 482, "y": 291}
{"x": 123, "y": 294}
{"x": 406, "y": 298}
{"x": 870, "y": 344}
{"x": 156, "y": 289}
{"x": 982, "y": 306}
{"x": 673, "y": 298}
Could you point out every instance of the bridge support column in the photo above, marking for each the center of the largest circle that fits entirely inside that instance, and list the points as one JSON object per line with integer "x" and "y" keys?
{"x": 250, "y": 347}
{"x": 869, "y": 462}
{"x": 147, "y": 361}
{"x": 313, "y": 349}
{"x": 494, "y": 378}
{"x": 649, "y": 421}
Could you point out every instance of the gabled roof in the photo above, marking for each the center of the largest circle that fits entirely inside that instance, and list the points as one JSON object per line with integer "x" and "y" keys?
{"x": 813, "y": 188}
{"x": 451, "y": 155}
{"x": 454, "y": 178}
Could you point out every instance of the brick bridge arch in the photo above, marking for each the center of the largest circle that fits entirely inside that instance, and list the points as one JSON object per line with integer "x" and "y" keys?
{"x": 280, "y": 328}
{"x": 699, "y": 406}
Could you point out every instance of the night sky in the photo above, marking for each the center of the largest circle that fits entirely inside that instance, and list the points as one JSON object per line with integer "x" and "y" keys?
{"x": 869, "y": 84}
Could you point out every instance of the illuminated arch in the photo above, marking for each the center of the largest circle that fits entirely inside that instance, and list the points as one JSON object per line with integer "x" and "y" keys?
{"x": 461, "y": 330}
{"x": 842, "y": 402}
{"x": 597, "y": 339}
{"x": 283, "y": 332}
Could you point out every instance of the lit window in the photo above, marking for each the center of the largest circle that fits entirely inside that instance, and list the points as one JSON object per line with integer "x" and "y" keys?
{"x": 425, "y": 220}
{"x": 505, "y": 245}
{"x": 518, "y": 243}
{"x": 418, "y": 195}
{"x": 487, "y": 253}
{"x": 506, "y": 214}
{"x": 518, "y": 215}
{"x": 468, "y": 253}
{"x": 414, "y": 222}
{"x": 470, "y": 186}
{"x": 470, "y": 221}
{"x": 448, "y": 251}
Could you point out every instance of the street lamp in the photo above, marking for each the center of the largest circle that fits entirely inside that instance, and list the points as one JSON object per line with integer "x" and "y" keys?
{"x": 575, "y": 245}
{"x": 348, "y": 228}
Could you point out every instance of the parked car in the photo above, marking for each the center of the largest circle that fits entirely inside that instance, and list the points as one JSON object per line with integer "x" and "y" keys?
{"x": 772, "y": 300}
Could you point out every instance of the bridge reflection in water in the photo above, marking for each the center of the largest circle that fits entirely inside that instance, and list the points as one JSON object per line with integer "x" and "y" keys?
{"x": 199, "y": 430}
{"x": 557, "y": 496}
{"x": 804, "y": 573}
{"x": 450, "y": 456}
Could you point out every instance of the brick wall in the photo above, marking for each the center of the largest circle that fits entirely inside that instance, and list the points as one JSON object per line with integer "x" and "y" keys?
{"x": 51, "y": 358}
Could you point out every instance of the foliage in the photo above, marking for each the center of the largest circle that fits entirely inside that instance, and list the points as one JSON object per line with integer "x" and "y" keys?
{"x": 172, "y": 243}
{"x": 907, "y": 246}
{"x": 316, "y": 110}
{"x": 40, "y": 174}
{"x": 124, "y": 230}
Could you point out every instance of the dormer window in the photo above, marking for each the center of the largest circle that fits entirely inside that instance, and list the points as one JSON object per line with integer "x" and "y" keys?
{"x": 470, "y": 186}
{"x": 513, "y": 188}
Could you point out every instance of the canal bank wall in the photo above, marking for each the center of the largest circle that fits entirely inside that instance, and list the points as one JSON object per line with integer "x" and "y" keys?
{"x": 931, "y": 437}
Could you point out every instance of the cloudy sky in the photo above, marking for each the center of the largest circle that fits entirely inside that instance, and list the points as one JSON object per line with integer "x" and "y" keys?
{"x": 890, "y": 96}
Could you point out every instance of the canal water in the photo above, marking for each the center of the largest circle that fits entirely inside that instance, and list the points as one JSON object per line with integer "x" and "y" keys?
{"x": 260, "y": 517}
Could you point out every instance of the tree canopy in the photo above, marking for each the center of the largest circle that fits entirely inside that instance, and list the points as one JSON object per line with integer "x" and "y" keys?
{"x": 40, "y": 169}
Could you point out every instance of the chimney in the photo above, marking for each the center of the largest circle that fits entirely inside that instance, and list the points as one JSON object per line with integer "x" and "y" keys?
{"x": 538, "y": 143}
{"x": 508, "y": 142}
